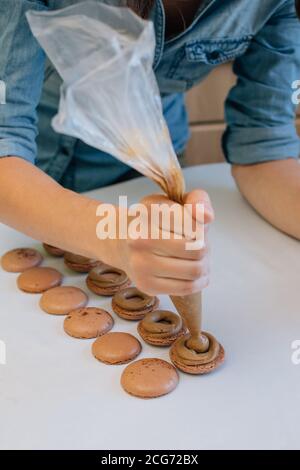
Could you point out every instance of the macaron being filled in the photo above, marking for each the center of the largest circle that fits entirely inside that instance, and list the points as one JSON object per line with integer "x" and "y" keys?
{"x": 62, "y": 300}
{"x": 197, "y": 363}
{"x": 132, "y": 304}
{"x": 161, "y": 328}
{"x": 88, "y": 322}
{"x": 106, "y": 280}
{"x": 116, "y": 348}
{"x": 20, "y": 259}
{"x": 149, "y": 378}
{"x": 39, "y": 279}
{"x": 79, "y": 263}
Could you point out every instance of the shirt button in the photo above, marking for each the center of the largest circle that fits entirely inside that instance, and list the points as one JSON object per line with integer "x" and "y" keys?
{"x": 214, "y": 55}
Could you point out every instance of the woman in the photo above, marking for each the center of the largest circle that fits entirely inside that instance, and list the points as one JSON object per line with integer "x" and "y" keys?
{"x": 193, "y": 37}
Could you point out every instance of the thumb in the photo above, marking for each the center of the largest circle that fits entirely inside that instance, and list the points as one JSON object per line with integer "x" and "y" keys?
{"x": 199, "y": 196}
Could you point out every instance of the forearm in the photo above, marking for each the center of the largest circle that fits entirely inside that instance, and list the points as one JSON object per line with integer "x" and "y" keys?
{"x": 273, "y": 189}
{"x": 33, "y": 203}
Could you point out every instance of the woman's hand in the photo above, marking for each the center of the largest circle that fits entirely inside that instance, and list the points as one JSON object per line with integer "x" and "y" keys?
{"x": 165, "y": 266}
{"x": 68, "y": 220}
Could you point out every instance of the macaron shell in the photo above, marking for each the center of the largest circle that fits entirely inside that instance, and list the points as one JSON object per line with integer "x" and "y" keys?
{"x": 200, "y": 369}
{"x": 156, "y": 340}
{"x": 88, "y": 322}
{"x": 79, "y": 268}
{"x": 20, "y": 259}
{"x": 79, "y": 263}
{"x": 39, "y": 279}
{"x": 135, "y": 314}
{"x": 149, "y": 378}
{"x": 62, "y": 300}
{"x": 53, "y": 250}
{"x": 116, "y": 348}
{"x": 105, "y": 291}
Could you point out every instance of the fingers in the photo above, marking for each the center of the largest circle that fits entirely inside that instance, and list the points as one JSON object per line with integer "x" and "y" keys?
{"x": 162, "y": 286}
{"x": 165, "y": 263}
{"x": 164, "y": 275}
{"x": 170, "y": 248}
{"x": 169, "y": 220}
{"x": 198, "y": 196}
{"x": 172, "y": 268}
{"x": 185, "y": 220}
{"x": 185, "y": 270}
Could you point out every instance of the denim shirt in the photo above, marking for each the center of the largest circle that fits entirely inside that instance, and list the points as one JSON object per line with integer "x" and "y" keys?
{"x": 261, "y": 37}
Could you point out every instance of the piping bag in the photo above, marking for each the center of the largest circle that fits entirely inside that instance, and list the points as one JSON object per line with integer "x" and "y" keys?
{"x": 110, "y": 99}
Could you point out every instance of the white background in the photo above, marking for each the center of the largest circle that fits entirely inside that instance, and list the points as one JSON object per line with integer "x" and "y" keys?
{"x": 55, "y": 395}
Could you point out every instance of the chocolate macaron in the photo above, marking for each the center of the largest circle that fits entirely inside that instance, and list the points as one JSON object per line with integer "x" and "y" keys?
{"x": 149, "y": 378}
{"x": 53, "y": 250}
{"x": 132, "y": 304}
{"x": 88, "y": 322}
{"x": 39, "y": 279}
{"x": 79, "y": 263}
{"x": 116, "y": 348}
{"x": 20, "y": 259}
{"x": 161, "y": 328}
{"x": 62, "y": 300}
{"x": 192, "y": 362}
{"x": 106, "y": 280}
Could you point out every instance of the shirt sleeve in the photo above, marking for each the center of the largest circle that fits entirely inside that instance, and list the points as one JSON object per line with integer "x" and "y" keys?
{"x": 259, "y": 110}
{"x": 21, "y": 76}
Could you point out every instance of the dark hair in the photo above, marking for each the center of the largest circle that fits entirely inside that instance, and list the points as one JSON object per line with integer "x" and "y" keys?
{"x": 298, "y": 7}
{"x": 143, "y": 7}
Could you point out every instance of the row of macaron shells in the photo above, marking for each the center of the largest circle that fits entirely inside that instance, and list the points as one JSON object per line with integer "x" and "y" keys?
{"x": 145, "y": 378}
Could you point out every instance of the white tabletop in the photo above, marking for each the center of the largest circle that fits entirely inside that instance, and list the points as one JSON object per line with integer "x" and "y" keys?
{"x": 55, "y": 395}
